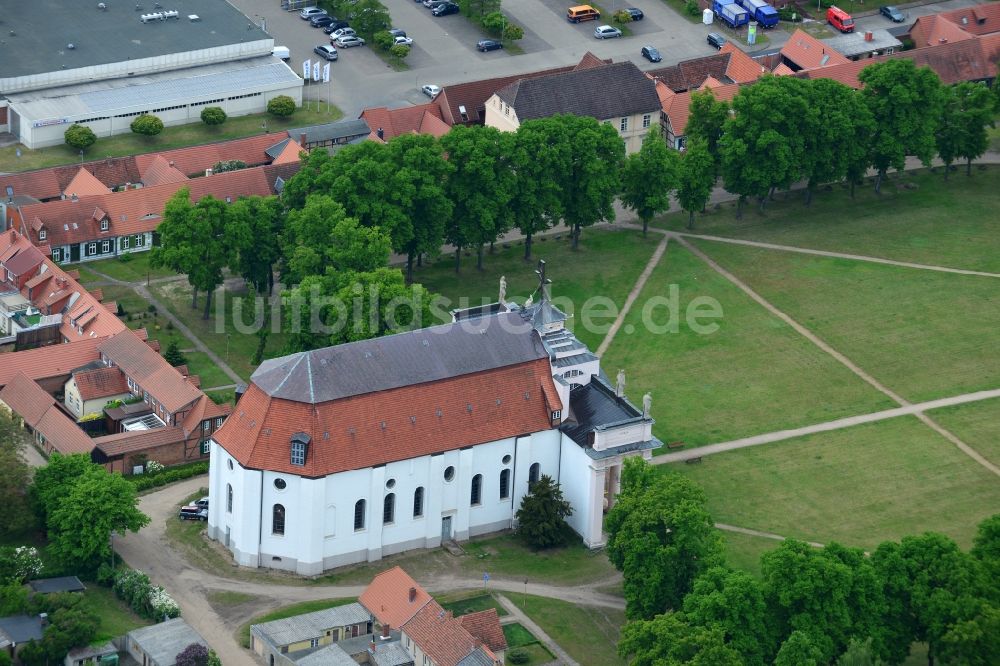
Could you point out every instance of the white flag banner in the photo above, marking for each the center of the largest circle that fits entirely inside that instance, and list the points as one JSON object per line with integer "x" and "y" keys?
{"x": 326, "y": 73}
{"x": 317, "y": 75}
{"x": 306, "y": 73}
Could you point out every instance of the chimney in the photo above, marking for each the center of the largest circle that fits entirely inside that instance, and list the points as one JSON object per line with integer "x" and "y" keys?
{"x": 73, "y": 197}
{"x": 869, "y": 36}
{"x": 943, "y": 40}
{"x": 44, "y": 618}
{"x": 413, "y": 594}
{"x": 380, "y": 133}
{"x": 208, "y": 171}
{"x": 385, "y": 630}
{"x": 302, "y": 140}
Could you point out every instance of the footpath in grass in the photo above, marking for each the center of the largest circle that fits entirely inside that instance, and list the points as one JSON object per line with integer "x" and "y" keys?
{"x": 751, "y": 376}
{"x": 919, "y": 217}
{"x": 588, "y": 633}
{"x": 923, "y": 334}
{"x": 977, "y": 424}
{"x": 606, "y": 265}
{"x": 858, "y": 486}
{"x": 177, "y": 136}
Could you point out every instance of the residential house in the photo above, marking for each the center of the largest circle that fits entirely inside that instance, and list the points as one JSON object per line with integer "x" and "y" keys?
{"x": 52, "y": 429}
{"x": 91, "y": 654}
{"x": 803, "y": 51}
{"x": 864, "y": 45}
{"x": 271, "y": 640}
{"x": 618, "y": 94}
{"x": 16, "y": 630}
{"x": 676, "y": 108}
{"x": 935, "y": 29}
{"x": 419, "y": 119}
{"x": 976, "y": 19}
{"x": 159, "y": 644}
{"x": 91, "y": 387}
{"x": 730, "y": 65}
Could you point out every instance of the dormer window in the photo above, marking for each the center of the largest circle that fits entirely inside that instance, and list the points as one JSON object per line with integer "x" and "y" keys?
{"x": 105, "y": 225}
{"x": 556, "y": 414}
{"x": 42, "y": 234}
{"x": 300, "y": 448}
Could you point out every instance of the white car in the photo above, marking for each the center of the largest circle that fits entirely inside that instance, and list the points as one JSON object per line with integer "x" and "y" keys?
{"x": 347, "y": 41}
{"x": 405, "y": 41}
{"x": 341, "y": 32}
{"x": 310, "y": 12}
{"x": 607, "y": 32}
{"x": 431, "y": 90}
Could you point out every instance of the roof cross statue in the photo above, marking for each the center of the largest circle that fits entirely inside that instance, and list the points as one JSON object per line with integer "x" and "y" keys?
{"x": 543, "y": 282}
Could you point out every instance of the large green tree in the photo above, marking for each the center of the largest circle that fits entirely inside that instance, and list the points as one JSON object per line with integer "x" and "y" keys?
{"x": 800, "y": 649}
{"x": 315, "y": 176}
{"x": 661, "y": 537}
{"x": 966, "y": 112}
{"x": 541, "y": 518}
{"x": 193, "y": 241}
{"x": 648, "y": 178}
{"x": 905, "y": 101}
{"x": 15, "y": 476}
{"x": 254, "y": 226}
{"x": 695, "y": 178}
{"x": 592, "y": 179}
{"x": 671, "y": 640}
{"x": 541, "y": 149}
{"x": 52, "y": 481}
{"x": 706, "y": 121}
{"x": 480, "y": 187}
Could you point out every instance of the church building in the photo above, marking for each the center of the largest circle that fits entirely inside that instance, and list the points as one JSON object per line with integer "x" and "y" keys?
{"x": 349, "y": 453}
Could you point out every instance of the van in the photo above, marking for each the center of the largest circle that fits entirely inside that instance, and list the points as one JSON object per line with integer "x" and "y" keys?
{"x": 840, "y": 19}
{"x": 582, "y": 13}
{"x": 281, "y": 52}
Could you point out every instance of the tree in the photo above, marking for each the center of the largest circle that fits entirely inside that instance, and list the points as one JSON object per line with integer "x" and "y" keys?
{"x": 213, "y": 115}
{"x": 648, "y": 177}
{"x": 670, "y": 640}
{"x": 695, "y": 177}
{"x": 384, "y": 39}
{"x": 173, "y": 354}
{"x": 79, "y": 136}
{"x": 19, "y": 564}
{"x": 541, "y": 519}
{"x": 193, "y": 241}
{"x": 281, "y": 106}
{"x": 858, "y": 653}
{"x": 15, "y": 476}
{"x": 95, "y": 505}
{"x": 213, "y": 659}
{"x": 661, "y": 537}
{"x": 52, "y": 481}
{"x": 966, "y": 112}
{"x": 315, "y": 175}
{"x": 399, "y": 51}
{"x": 707, "y": 119}
{"x": 195, "y": 654}
{"x": 589, "y": 185}
{"x": 147, "y": 125}
{"x": 905, "y": 102}
{"x": 799, "y": 649}
{"x": 254, "y": 227}
{"x": 480, "y": 187}
{"x": 986, "y": 544}
{"x": 733, "y": 603}
{"x": 369, "y": 17}
{"x": 540, "y": 150}
{"x": 512, "y": 32}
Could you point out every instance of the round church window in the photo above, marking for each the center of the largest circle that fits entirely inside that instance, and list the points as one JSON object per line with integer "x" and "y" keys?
{"x": 391, "y": 483}
{"x": 280, "y": 484}
{"x": 449, "y": 473}
{"x": 506, "y": 459}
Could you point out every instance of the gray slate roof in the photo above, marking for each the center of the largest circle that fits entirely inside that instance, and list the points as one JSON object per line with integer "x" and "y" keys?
{"x": 164, "y": 641}
{"x": 594, "y": 406}
{"x": 331, "y": 655}
{"x": 331, "y": 131}
{"x": 310, "y": 625}
{"x": 21, "y": 628}
{"x": 476, "y": 658}
{"x": 390, "y": 654}
{"x": 60, "y": 584}
{"x": 612, "y": 91}
{"x": 404, "y": 359}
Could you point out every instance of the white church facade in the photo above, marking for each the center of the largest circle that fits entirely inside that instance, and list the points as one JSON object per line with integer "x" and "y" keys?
{"x": 350, "y": 453}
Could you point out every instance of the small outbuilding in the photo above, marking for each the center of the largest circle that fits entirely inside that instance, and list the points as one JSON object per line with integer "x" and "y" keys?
{"x": 159, "y": 644}
{"x": 58, "y": 584}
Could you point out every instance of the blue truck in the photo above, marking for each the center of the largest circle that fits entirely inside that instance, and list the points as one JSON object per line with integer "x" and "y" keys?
{"x": 760, "y": 11}
{"x": 731, "y": 13}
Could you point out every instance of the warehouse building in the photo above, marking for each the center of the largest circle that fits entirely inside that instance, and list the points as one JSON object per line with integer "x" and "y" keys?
{"x": 102, "y": 64}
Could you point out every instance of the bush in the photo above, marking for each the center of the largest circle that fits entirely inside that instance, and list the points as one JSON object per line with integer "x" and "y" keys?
{"x": 133, "y": 587}
{"x": 790, "y": 13}
{"x": 281, "y": 106}
{"x": 513, "y": 32}
{"x": 147, "y": 125}
{"x": 179, "y": 473}
{"x": 383, "y": 40}
{"x": 228, "y": 165}
{"x": 195, "y": 654}
{"x": 622, "y": 16}
{"x": 692, "y": 8}
{"x": 105, "y": 575}
{"x": 213, "y": 115}
{"x": 125, "y": 258}
{"x": 518, "y": 656}
{"x": 400, "y": 51}
{"x": 79, "y": 137}
{"x": 19, "y": 564}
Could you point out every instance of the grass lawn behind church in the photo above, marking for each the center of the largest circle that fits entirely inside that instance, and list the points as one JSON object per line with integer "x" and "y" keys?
{"x": 977, "y": 424}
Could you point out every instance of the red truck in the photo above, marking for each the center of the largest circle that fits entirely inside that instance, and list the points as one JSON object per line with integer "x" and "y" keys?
{"x": 840, "y": 19}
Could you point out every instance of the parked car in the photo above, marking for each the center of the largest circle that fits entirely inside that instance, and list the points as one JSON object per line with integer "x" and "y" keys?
{"x": 445, "y": 9}
{"x": 404, "y": 40}
{"x": 336, "y": 25}
{"x": 485, "y": 45}
{"x": 321, "y": 21}
{"x": 582, "y": 13}
{"x": 309, "y": 12}
{"x": 430, "y": 90}
{"x": 607, "y": 32}
{"x": 716, "y": 40}
{"x": 347, "y": 41}
{"x": 196, "y": 511}
{"x": 891, "y": 13}
{"x": 431, "y": 4}
{"x": 343, "y": 32}
{"x": 396, "y": 32}
{"x": 651, "y": 54}
{"x": 326, "y": 51}
{"x": 635, "y": 13}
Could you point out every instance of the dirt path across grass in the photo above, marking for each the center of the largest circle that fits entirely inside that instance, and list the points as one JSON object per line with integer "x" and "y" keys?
{"x": 539, "y": 633}
{"x": 633, "y": 294}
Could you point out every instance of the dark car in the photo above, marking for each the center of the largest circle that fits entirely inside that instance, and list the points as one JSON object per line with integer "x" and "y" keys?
{"x": 336, "y": 25}
{"x": 321, "y": 21}
{"x": 445, "y": 9}
{"x": 396, "y": 32}
{"x": 651, "y": 54}
{"x": 891, "y": 13}
{"x": 431, "y": 4}
{"x": 635, "y": 13}
{"x": 488, "y": 45}
{"x": 716, "y": 40}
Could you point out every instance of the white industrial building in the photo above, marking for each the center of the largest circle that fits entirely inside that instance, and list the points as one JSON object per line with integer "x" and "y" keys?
{"x": 101, "y": 64}
{"x": 350, "y": 453}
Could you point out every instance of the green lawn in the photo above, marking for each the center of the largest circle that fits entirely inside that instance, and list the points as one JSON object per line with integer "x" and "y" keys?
{"x": 505, "y": 556}
{"x": 859, "y": 486}
{"x": 464, "y": 603}
{"x": 519, "y": 638}
{"x": 588, "y": 633}
{"x": 290, "y": 611}
{"x": 607, "y": 264}
{"x": 977, "y": 424}
{"x": 753, "y": 375}
{"x": 950, "y": 223}
{"x": 537, "y": 654}
{"x": 743, "y": 551}
{"x": 517, "y": 635}
{"x": 172, "y": 137}
{"x": 923, "y": 334}
{"x": 117, "y": 619}
{"x": 134, "y": 269}
{"x": 222, "y": 397}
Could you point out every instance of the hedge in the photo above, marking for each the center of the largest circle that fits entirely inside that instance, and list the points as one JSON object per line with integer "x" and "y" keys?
{"x": 179, "y": 473}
